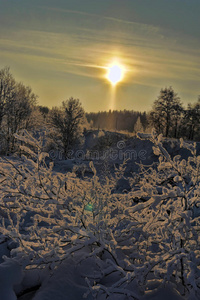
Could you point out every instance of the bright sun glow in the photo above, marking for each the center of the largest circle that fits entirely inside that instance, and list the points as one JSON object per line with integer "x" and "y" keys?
{"x": 115, "y": 74}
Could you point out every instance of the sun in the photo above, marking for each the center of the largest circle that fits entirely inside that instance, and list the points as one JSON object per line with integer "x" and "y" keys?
{"x": 115, "y": 73}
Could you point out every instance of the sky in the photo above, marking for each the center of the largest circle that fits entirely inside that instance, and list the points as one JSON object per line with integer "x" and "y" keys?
{"x": 63, "y": 49}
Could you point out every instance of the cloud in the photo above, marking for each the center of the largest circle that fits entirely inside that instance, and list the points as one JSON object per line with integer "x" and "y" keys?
{"x": 148, "y": 52}
{"x": 68, "y": 11}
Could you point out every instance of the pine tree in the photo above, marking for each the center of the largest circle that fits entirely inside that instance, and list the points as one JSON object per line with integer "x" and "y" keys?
{"x": 138, "y": 125}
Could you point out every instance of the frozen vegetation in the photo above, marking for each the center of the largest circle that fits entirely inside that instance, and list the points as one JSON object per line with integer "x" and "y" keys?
{"x": 64, "y": 236}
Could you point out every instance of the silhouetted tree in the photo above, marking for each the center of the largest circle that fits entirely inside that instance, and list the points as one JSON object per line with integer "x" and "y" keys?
{"x": 191, "y": 120}
{"x": 16, "y": 101}
{"x": 44, "y": 111}
{"x": 17, "y": 110}
{"x": 69, "y": 120}
{"x": 7, "y": 89}
{"x": 167, "y": 109}
{"x": 177, "y": 118}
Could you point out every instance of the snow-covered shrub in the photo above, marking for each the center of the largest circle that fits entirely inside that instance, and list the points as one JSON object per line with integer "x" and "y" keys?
{"x": 140, "y": 241}
{"x": 100, "y": 133}
{"x": 171, "y": 246}
{"x": 52, "y": 215}
{"x": 107, "y": 140}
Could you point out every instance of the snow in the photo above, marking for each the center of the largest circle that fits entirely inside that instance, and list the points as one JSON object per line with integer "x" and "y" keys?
{"x": 10, "y": 275}
{"x": 165, "y": 293}
{"x": 68, "y": 282}
{"x": 3, "y": 248}
{"x": 65, "y": 236}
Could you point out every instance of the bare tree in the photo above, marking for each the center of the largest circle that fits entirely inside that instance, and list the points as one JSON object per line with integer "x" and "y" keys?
{"x": 167, "y": 109}
{"x": 7, "y": 89}
{"x": 16, "y": 101}
{"x": 44, "y": 110}
{"x": 69, "y": 120}
{"x": 191, "y": 120}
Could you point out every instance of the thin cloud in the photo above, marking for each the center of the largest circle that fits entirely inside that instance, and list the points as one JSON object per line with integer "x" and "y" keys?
{"x": 151, "y": 56}
{"x": 73, "y": 63}
{"x": 76, "y": 12}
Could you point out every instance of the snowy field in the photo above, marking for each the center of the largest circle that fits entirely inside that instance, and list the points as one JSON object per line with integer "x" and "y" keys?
{"x": 80, "y": 229}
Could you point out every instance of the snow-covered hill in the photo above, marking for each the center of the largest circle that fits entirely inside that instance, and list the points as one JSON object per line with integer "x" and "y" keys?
{"x": 108, "y": 235}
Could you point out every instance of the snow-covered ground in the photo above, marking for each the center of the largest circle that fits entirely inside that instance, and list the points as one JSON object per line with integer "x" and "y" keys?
{"x": 103, "y": 229}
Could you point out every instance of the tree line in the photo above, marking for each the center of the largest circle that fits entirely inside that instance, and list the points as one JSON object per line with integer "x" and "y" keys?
{"x": 65, "y": 125}
{"x": 117, "y": 120}
{"x": 168, "y": 116}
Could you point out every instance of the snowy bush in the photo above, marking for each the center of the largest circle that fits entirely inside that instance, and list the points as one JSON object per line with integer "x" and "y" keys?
{"x": 135, "y": 246}
{"x": 171, "y": 227}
